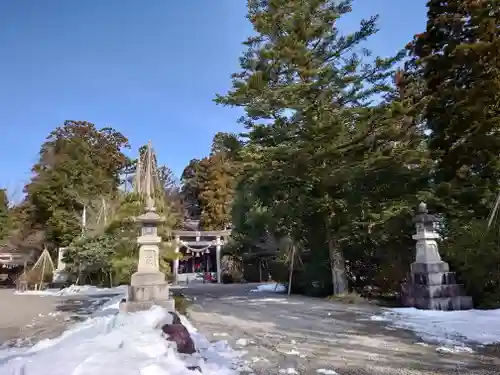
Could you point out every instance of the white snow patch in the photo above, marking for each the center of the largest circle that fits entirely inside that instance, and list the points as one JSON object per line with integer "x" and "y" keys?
{"x": 76, "y": 290}
{"x": 242, "y": 342}
{"x": 289, "y": 371}
{"x": 422, "y": 344}
{"x": 259, "y": 359}
{"x": 454, "y": 349}
{"x": 120, "y": 344}
{"x": 447, "y": 327}
{"x": 326, "y": 372}
{"x": 271, "y": 287}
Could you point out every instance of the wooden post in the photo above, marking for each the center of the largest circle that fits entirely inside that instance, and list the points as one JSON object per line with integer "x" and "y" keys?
{"x": 43, "y": 270}
{"x": 260, "y": 270}
{"x": 218, "y": 245}
{"x": 175, "y": 263}
{"x": 291, "y": 270}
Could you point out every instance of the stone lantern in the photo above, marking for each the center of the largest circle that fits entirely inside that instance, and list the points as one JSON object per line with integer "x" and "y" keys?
{"x": 148, "y": 286}
{"x": 430, "y": 284}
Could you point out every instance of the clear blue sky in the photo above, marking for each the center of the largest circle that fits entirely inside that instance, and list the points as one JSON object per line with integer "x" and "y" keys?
{"x": 150, "y": 69}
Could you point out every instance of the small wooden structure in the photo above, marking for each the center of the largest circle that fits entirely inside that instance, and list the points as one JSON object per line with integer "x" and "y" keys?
{"x": 39, "y": 275}
{"x": 196, "y": 243}
{"x": 12, "y": 263}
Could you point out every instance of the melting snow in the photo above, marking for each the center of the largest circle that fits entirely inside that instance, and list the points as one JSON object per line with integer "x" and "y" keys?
{"x": 75, "y": 290}
{"x": 121, "y": 344}
{"x": 271, "y": 287}
{"x": 289, "y": 371}
{"x": 454, "y": 349}
{"x": 451, "y": 328}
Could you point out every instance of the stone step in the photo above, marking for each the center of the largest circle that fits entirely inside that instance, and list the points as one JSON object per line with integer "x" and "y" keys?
{"x": 429, "y": 267}
{"x": 444, "y": 303}
{"x": 433, "y": 291}
{"x": 435, "y": 278}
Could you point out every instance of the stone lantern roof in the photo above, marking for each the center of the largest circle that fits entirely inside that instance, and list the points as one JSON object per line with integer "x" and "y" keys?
{"x": 423, "y": 215}
{"x": 150, "y": 216}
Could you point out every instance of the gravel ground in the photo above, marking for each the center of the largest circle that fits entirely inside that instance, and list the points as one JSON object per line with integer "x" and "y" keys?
{"x": 280, "y": 333}
{"x": 27, "y": 319}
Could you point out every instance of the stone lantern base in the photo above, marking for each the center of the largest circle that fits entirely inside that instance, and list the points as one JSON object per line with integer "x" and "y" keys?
{"x": 147, "y": 289}
{"x": 431, "y": 286}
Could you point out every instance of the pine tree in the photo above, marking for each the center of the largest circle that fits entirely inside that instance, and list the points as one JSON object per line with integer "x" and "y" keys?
{"x": 320, "y": 118}
{"x": 458, "y": 60}
{"x": 216, "y": 193}
{"x": 191, "y": 180}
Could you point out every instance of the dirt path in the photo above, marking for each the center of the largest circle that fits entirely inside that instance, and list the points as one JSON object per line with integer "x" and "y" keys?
{"x": 308, "y": 335}
{"x": 27, "y": 319}
{"x": 24, "y": 318}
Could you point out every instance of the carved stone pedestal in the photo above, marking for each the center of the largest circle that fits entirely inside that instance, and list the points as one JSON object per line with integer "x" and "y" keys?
{"x": 144, "y": 297}
{"x": 431, "y": 285}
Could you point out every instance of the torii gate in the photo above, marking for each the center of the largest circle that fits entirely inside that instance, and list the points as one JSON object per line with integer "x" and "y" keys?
{"x": 216, "y": 239}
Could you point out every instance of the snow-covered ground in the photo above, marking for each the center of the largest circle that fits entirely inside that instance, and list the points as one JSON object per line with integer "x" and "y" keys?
{"x": 275, "y": 334}
{"x": 452, "y": 328}
{"x": 111, "y": 343}
{"x": 299, "y": 335}
{"x": 270, "y": 287}
{"x": 455, "y": 330}
{"x": 75, "y": 290}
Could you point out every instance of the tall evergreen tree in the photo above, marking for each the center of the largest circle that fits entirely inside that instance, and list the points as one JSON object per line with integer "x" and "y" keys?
{"x": 457, "y": 59}
{"x": 78, "y": 163}
{"x": 216, "y": 194}
{"x": 191, "y": 181}
{"x": 320, "y": 119}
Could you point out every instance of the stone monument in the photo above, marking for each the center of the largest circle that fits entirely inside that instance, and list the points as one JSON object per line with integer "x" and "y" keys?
{"x": 431, "y": 285}
{"x": 148, "y": 286}
{"x": 60, "y": 275}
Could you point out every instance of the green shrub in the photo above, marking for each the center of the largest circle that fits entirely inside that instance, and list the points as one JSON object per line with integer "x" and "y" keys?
{"x": 181, "y": 304}
{"x": 473, "y": 252}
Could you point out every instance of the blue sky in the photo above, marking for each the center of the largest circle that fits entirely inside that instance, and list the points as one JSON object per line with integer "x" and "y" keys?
{"x": 150, "y": 69}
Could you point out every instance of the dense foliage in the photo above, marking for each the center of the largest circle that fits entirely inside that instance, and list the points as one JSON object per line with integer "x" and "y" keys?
{"x": 5, "y": 217}
{"x": 456, "y": 59}
{"x": 76, "y": 200}
{"x": 332, "y": 159}
{"x": 78, "y": 163}
{"x": 338, "y": 148}
{"x": 341, "y": 146}
{"x": 208, "y": 184}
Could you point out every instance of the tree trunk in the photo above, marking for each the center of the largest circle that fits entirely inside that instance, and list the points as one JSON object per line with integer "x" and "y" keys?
{"x": 291, "y": 270}
{"x": 337, "y": 264}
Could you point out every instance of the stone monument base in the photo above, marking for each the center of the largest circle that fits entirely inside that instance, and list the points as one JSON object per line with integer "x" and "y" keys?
{"x": 134, "y": 306}
{"x": 60, "y": 277}
{"x": 147, "y": 289}
{"x": 431, "y": 286}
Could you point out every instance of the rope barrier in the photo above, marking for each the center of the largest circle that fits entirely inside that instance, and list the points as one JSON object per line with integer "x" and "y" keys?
{"x": 197, "y": 250}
